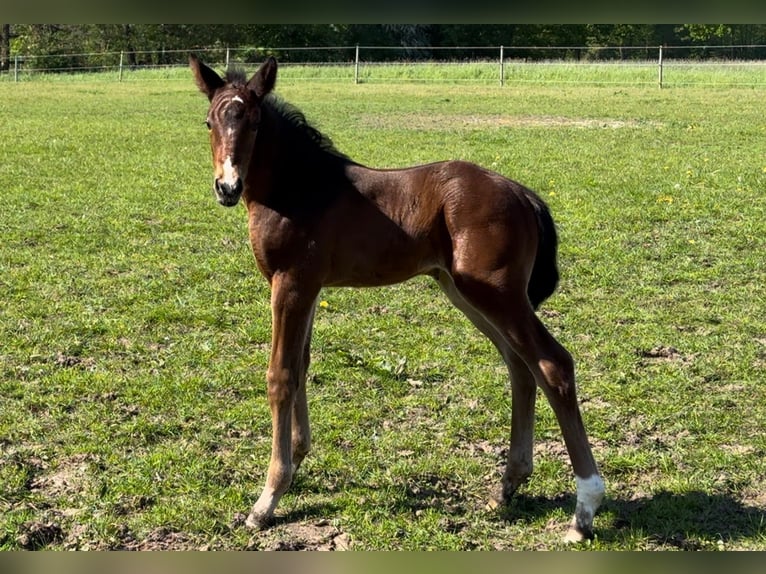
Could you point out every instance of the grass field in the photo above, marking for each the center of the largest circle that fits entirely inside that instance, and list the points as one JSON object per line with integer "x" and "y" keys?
{"x": 134, "y": 327}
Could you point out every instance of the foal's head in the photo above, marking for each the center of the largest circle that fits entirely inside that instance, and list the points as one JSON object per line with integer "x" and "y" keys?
{"x": 233, "y": 119}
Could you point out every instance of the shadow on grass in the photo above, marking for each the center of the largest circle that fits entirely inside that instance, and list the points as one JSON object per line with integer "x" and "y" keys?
{"x": 678, "y": 520}
{"x": 688, "y": 521}
{"x": 317, "y": 507}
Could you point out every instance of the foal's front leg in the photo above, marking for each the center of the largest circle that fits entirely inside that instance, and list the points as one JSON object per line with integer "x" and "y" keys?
{"x": 292, "y": 307}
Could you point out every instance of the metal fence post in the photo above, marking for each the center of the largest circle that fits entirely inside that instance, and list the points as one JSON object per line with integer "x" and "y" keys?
{"x": 121, "y": 57}
{"x": 16, "y": 68}
{"x": 502, "y": 67}
{"x": 227, "y": 57}
{"x": 356, "y": 65}
{"x": 659, "y": 71}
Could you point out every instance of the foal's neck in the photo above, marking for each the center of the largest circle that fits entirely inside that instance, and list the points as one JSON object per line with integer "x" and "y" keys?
{"x": 299, "y": 172}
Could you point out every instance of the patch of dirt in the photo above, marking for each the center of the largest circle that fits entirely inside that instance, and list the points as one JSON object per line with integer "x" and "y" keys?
{"x": 70, "y": 477}
{"x": 550, "y": 313}
{"x": 663, "y": 353}
{"x": 73, "y": 361}
{"x": 553, "y": 448}
{"x": 679, "y": 541}
{"x": 739, "y": 449}
{"x": 158, "y": 539}
{"x": 432, "y": 491}
{"x": 316, "y": 536}
{"x": 483, "y": 447}
{"x": 35, "y": 535}
{"x": 436, "y": 121}
{"x": 754, "y": 497}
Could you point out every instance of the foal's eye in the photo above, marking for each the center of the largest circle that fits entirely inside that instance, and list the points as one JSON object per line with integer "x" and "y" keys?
{"x": 207, "y": 123}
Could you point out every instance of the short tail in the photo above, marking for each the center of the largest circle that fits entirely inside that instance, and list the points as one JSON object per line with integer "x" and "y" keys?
{"x": 545, "y": 273}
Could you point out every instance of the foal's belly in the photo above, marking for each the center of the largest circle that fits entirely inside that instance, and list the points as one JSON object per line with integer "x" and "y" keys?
{"x": 374, "y": 267}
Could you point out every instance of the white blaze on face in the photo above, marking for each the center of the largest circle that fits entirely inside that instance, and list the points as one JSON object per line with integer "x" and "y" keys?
{"x": 230, "y": 173}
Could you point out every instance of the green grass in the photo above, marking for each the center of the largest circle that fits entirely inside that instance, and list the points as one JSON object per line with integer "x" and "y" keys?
{"x": 135, "y": 328}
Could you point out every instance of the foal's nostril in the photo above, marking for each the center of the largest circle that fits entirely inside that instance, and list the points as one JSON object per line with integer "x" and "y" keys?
{"x": 228, "y": 193}
{"x": 228, "y": 188}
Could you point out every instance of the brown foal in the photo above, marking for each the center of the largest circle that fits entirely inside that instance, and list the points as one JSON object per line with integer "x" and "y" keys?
{"x": 317, "y": 218}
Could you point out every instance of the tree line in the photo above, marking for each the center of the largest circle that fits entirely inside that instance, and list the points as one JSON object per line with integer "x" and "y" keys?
{"x": 159, "y": 44}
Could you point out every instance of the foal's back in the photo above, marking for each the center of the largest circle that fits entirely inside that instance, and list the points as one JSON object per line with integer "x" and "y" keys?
{"x": 395, "y": 224}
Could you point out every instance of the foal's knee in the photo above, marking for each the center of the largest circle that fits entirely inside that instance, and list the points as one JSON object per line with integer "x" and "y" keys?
{"x": 280, "y": 386}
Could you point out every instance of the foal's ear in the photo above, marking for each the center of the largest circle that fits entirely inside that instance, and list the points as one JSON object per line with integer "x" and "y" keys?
{"x": 264, "y": 79}
{"x": 207, "y": 80}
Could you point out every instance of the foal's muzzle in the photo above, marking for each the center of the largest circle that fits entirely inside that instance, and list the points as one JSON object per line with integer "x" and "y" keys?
{"x": 228, "y": 194}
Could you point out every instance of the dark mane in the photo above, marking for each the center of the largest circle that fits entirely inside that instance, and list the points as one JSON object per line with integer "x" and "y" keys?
{"x": 295, "y": 119}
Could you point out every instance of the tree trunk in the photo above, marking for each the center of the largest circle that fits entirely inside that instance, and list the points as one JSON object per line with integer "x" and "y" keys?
{"x": 5, "y": 47}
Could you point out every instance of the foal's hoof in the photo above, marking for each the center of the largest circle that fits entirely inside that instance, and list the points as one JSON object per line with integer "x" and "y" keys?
{"x": 258, "y": 521}
{"x": 502, "y": 495}
{"x": 577, "y": 533}
{"x": 497, "y": 499}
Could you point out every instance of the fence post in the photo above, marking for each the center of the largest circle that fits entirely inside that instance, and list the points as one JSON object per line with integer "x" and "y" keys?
{"x": 356, "y": 65}
{"x": 227, "y": 57}
{"x": 659, "y": 71}
{"x": 502, "y": 67}
{"x": 121, "y": 57}
{"x": 16, "y": 68}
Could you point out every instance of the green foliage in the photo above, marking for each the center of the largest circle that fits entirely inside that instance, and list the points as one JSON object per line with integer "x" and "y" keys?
{"x": 135, "y": 328}
{"x": 707, "y": 32}
{"x": 47, "y": 46}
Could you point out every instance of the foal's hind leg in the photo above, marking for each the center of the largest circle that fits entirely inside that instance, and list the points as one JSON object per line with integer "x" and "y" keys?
{"x": 553, "y": 370}
{"x": 301, "y": 431}
{"x": 519, "y": 462}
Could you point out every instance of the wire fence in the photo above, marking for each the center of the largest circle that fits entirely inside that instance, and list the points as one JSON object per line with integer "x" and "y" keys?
{"x": 662, "y": 66}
